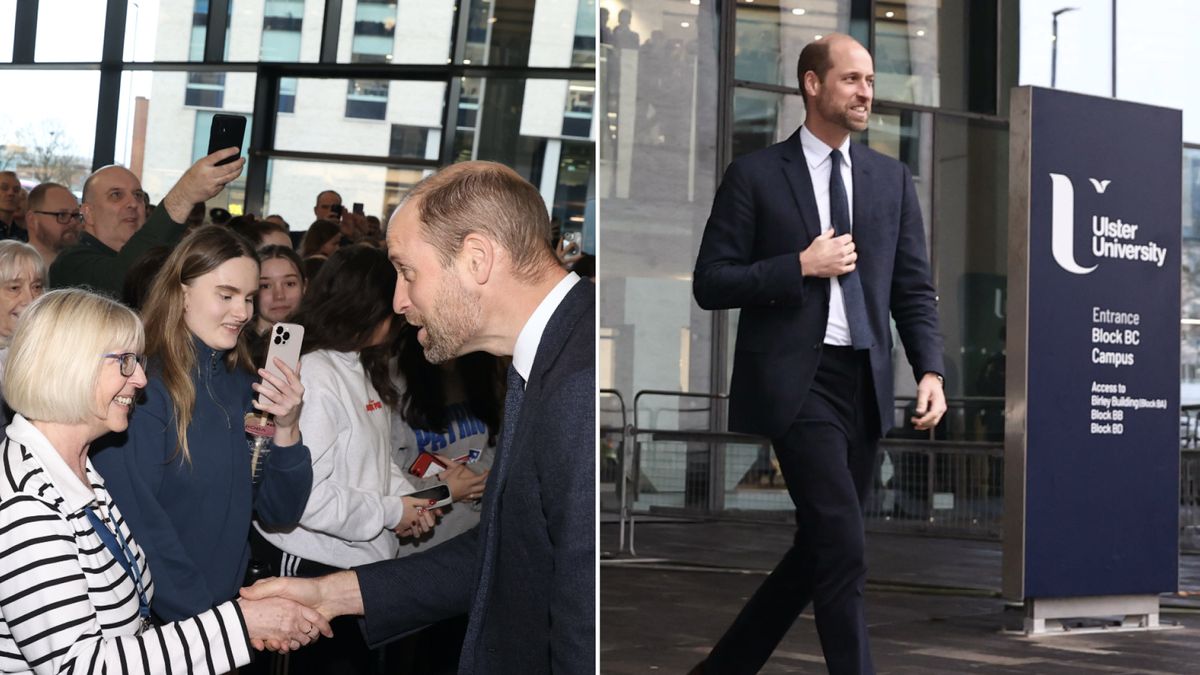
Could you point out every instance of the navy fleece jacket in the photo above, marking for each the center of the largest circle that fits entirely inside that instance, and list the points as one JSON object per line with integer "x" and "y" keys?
{"x": 193, "y": 520}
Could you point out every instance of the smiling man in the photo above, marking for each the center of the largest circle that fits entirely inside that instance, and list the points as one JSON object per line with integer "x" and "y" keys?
{"x": 478, "y": 273}
{"x": 816, "y": 240}
{"x": 116, "y": 232}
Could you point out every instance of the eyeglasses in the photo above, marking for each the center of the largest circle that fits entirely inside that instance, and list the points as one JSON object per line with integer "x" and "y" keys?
{"x": 63, "y": 217}
{"x": 129, "y": 362}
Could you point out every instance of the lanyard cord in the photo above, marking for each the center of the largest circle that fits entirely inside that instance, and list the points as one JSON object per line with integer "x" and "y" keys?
{"x": 122, "y": 552}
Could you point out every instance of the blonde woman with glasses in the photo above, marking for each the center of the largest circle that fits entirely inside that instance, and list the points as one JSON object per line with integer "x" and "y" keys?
{"x": 75, "y": 586}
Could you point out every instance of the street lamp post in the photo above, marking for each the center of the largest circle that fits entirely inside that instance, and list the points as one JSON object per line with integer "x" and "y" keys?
{"x": 1054, "y": 45}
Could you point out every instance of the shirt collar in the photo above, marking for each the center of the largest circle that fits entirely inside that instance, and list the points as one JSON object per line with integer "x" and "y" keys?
{"x": 531, "y": 335}
{"x": 75, "y": 495}
{"x": 817, "y": 153}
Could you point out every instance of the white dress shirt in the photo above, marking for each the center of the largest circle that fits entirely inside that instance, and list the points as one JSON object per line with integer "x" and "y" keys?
{"x": 531, "y": 334}
{"x": 816, "y": 153}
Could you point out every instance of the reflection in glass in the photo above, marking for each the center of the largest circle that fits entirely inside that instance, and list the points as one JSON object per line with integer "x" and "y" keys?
{"x": 1190, "y": 263}
{"x": 769, "y": 36}
{"x": 295, "y": 184}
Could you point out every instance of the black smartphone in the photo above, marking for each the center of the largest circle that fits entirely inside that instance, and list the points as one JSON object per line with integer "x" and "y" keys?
{"x": 336, "y": 209}
{"x": 227, "y": 131}
{"x": 358, "y": 208}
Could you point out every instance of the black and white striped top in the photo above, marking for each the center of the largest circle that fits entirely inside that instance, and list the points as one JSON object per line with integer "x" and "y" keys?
{"x": 66, "y": 604}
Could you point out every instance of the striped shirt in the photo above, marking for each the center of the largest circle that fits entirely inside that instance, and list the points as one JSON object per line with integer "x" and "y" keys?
{"x": 66, "y": 604}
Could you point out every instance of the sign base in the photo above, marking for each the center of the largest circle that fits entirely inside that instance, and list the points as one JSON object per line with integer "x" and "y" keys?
{"x": 1044, "y": 616}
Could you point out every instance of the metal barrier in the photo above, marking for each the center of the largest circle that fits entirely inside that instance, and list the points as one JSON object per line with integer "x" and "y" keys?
{"x": 949, "y": 480}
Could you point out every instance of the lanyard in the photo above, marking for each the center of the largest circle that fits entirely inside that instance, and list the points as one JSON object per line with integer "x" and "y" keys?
{"x": 121, "y": 551}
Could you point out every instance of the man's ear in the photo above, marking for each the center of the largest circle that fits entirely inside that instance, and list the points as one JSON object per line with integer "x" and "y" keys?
{"x": 88, "y": 216}
{"x": 812, "y": 83}
{"x": 479, "y": 254}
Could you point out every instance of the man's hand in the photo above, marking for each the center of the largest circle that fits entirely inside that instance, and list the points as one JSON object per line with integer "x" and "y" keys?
{"x": 828, "y": 256}
{"x": 568, "y": 253}
{"x": 464, "y": 483}
{"x": 282, "y": 625}
{"x": 931, "y": 402}
{"x": 329, "y": 597}
{"x": 201, "y": 182}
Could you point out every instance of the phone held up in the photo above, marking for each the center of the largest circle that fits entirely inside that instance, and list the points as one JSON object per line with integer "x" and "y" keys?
{"x": 227, "y": 131}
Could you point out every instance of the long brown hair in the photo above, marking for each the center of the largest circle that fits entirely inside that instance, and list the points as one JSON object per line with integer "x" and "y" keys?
{"x": 169, "y": 343}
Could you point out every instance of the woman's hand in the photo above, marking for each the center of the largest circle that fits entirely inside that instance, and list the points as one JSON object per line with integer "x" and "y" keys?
{"x": 417, "y": 519}
{"x": 282, "y": 625}
{"x": 463, "y": 482}
{"x": 281, "y": 398}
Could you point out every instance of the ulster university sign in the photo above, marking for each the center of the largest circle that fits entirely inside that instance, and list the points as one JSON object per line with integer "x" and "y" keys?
{"x": 1092, "y": 401}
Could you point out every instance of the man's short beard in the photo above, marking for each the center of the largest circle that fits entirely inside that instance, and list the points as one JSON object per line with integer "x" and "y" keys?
{"x": 459, "y": 316}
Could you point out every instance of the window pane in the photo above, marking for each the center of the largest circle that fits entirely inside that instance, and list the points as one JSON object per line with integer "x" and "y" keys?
{"x": 46, "y": 140}
{"x": 657, "y": 164}
{"x": 346, "y": 127}
{"x": 970, "y": 268}
{"x": 174, "y": 30}
{"x": 1190, "y": 330}
{"x": 770, "y": 35}
{"x": 156, "y": 115}
{"x": 69, "y": 31}
{"x": 761, "y": 118}
{"x": 397, "y": 31}
{"x": 294, "y": 185}
{"x": 8, "y": 15}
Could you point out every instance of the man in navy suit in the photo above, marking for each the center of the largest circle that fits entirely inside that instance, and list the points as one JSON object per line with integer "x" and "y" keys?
{"x": 816, "y": 239}
{"x": 478, "y": 273}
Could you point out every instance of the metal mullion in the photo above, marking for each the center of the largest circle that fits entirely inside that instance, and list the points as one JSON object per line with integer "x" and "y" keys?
{"x": 108, "y": 100}
{"x": 214, "y": 33}
{"x": 330, "y": 31}
{"x": 25, "y": 31}
{"x": 262, "y": 138}
{"x": 458, "y": 48}
{"x": 377, "y": 160}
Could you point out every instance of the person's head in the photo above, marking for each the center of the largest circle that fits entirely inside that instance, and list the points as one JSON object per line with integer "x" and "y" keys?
{"x": 322, "y": 238}
{"x": 114, "y": 207}
{"x": 347, "y": 309}
{"x": 22, "y": 280}
{"x": 467, "y": 230}
{"x": 10, "y": 194}
{"x": 281, "y": 284}
{"x": 278, "y": 220}
{"x": 324, "y": 210}
{"x": 837, "y": 81}
{"x": 271, "y": 233}
{"x": 53, "y": 218}
{"x": 75, "y": 359}
{"x": 623, "y": 17}
{"x": 204, "y": 292}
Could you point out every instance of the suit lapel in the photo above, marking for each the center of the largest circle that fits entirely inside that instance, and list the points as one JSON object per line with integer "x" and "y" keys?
{"x": 861, "y": 175}
{"x": 795, "y": 171}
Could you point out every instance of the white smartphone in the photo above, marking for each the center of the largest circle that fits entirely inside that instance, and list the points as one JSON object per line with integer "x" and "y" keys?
{"x": 286, "y": 339}
{"x": 439, "y": 494}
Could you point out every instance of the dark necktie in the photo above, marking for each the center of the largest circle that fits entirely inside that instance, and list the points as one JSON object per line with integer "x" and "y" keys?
{"x": 491, "y": 500}
{"x": 852, "y": 290}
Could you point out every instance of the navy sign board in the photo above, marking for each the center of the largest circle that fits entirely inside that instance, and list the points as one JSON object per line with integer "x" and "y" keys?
{"x": 1092, "y": 401}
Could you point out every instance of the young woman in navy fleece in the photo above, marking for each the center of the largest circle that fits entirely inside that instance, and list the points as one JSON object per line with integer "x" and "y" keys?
{"x": 181, "y": 475}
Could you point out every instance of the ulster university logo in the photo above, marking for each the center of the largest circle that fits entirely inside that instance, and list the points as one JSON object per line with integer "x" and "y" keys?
{"x": 1111, "y": 237}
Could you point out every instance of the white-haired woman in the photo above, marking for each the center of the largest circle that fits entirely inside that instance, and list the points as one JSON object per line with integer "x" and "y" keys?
{"x": 75, "y": 590}
{"x": 22, "y": 280}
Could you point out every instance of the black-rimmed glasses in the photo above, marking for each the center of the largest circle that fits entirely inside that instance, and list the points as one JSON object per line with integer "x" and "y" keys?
{"x": 63, "y": 217}
{"x": 129, "y": 362}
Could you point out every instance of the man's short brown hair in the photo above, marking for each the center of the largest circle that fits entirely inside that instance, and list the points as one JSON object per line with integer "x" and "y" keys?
{"x": 814, "y": 57}
{"x": 37, "y": 196}
{"x": 486, "y": 198}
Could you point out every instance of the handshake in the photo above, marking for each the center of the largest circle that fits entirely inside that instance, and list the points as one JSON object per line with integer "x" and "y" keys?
{"x": 285, "y": 613}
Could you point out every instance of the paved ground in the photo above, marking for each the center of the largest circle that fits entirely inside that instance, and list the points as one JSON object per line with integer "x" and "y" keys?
{"x": 933, "y": 608}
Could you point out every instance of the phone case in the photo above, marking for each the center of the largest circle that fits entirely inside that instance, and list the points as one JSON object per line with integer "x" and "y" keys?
{"x": 227, "y": 131}
{"x": 286, "y": 340}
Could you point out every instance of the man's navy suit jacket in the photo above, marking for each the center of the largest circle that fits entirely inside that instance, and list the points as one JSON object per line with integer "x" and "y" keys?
{"x": 764, "y": 214}
{"x": 538, "y": 614}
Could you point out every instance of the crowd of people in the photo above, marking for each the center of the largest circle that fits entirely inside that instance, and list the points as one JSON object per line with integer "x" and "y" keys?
{"x": 139, "y": 499}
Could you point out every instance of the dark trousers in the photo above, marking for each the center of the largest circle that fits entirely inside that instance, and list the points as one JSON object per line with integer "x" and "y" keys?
{"x": 827, "y": 458}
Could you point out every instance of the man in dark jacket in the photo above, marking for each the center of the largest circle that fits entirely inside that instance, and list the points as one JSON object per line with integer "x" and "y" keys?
{"x": 478, "y": 273}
